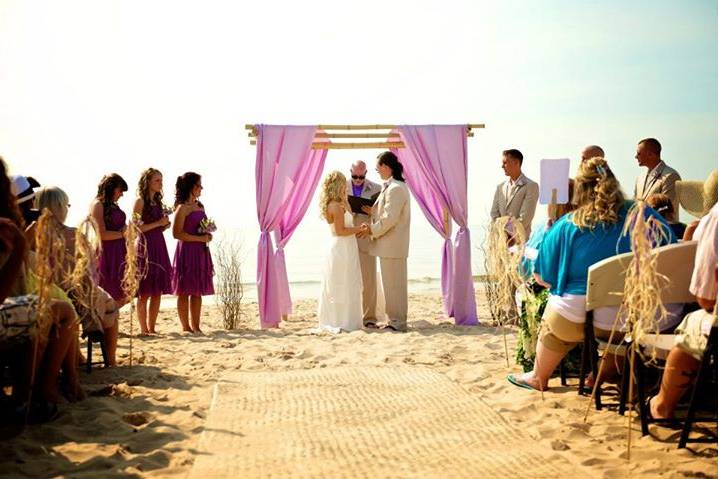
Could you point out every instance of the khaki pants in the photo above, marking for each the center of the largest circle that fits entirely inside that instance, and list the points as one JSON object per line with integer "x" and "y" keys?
{"x": 368, "y": 291}
{"x": 394, "y": 280}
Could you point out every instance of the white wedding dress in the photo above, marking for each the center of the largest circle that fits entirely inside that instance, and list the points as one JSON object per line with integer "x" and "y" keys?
{"x": 340, "y": 300}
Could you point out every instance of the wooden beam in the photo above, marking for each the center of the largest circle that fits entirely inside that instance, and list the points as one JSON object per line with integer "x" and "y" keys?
{"x": 354, "y": 135}
{"x": 325, "y": 145}
{"x": 367, "y": 127}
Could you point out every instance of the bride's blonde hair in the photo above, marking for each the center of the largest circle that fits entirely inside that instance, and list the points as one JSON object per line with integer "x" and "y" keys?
{"x": 333, "y": 189}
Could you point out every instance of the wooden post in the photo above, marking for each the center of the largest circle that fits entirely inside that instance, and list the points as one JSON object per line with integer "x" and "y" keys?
{"x": 446, "y": 222}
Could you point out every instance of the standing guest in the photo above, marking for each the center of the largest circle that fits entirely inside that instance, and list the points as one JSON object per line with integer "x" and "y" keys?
{"x": 658, "y": 177}
{"x": 23, "y": 189}
{"x": 664, "y": 206}
{"x": 697, "y": 198}
{"x": 110, "y": 221}
{"x": 192, "y": 269}
{"x": 360, "y": 186}
{"x": 518, "y": 195}
{"x": 154, "y": 261}
{"x": 592, "y": 232}
{"x": 592, "y": 151}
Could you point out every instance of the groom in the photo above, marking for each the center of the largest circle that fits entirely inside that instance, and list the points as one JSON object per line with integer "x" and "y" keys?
{"x": 389, "y": 233}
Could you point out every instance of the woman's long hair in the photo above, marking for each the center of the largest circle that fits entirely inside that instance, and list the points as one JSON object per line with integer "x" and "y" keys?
{"x": 106, "y": 190}
{"x": 8, "y": 202}
{"x": 389, "y": 159}
{"x": 143, "y": 191}
{"x": 333, "y": 189}
{"x": 184, "y": 185}
{"x": 597, "y": 194}
{"x": 55, "y": 200}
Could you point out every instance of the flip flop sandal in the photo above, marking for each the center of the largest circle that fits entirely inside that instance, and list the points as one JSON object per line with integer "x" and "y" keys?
{"x": 515, "y": 381}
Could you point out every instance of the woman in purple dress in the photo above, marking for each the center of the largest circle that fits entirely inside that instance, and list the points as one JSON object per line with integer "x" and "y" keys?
{"x": 192, "y": 268}
{"x": 152, "y": 256}
{"x": 110, "y": 221}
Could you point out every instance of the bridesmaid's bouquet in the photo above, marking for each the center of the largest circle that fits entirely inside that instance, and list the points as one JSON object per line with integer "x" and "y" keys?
{"x": 207, "y": 226}
{"x": 167, "y": 210}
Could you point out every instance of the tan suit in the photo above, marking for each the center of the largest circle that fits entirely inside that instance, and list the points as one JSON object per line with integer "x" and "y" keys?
{"x": 366, "y": 261}
{"x": 661, "y": 179}
{"x": 390, "y": 242}
{"x": 517, "y": 200}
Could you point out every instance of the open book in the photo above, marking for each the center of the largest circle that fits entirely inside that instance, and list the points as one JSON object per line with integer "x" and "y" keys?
{"x": 356, "y": 203}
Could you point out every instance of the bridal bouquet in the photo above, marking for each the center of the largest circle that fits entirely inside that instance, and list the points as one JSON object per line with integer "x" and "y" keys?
{"x": 207, "y": 226}
{"x": 167, "y": 210}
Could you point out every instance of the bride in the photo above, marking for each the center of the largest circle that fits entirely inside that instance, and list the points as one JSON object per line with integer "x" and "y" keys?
{"x": 340, "y": 304}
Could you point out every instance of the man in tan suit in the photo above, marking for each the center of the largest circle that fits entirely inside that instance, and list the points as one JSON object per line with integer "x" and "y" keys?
{"x": 658, "y": 177}
{"x": 360, "y": 186}
{"x": 518, "y": 195}
{"x": 389, "y": 233}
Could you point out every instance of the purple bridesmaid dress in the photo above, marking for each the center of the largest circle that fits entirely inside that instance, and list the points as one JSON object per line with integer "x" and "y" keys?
{"x": 192, "y": 270}
{"x": 111, "y": 265}
{"x": 155, "y": 262}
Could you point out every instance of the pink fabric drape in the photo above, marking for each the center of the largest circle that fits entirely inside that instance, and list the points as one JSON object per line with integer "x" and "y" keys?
{"x": 436, "y": 166}
{"x": 287, "y": 173}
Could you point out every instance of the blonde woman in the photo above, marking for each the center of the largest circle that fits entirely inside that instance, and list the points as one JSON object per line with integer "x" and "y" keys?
{"x": 340, "y": 300}
{"x": 576, "y": 241}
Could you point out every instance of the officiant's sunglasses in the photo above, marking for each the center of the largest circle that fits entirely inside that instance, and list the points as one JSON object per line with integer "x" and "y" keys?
{"x": 358, "y": 177}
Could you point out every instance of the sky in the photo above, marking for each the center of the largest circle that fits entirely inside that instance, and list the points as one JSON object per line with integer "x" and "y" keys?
{"x": 98, "y": 86}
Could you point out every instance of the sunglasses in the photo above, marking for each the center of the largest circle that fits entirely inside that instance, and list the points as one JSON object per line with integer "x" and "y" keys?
{"x": 358, "y": 177}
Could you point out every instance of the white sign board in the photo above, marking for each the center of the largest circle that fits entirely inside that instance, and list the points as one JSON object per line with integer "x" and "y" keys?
{"x": 554, "y": 174}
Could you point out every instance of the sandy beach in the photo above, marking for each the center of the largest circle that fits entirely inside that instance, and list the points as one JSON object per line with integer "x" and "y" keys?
{"x": 146, "y": 421}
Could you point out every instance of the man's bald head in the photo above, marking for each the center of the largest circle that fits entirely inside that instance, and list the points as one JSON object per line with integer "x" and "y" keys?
{"x": 592, "y": 151}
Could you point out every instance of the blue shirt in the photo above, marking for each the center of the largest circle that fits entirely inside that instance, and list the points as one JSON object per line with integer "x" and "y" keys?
{"x": 567, "y": 251}
{"x": 357, "y": 189}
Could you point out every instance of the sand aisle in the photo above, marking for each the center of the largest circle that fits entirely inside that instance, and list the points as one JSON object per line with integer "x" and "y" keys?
{"x": 369, "y": 421}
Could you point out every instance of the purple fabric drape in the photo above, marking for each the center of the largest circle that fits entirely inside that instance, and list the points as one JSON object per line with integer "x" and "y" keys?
{"x": 435, "y": 165}
{"x": 287, "y": 173}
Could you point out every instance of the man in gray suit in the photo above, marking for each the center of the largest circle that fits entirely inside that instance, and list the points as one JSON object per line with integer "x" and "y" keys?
{"x": 360, "y": 186}
{"x": 658, "y": 177}
{"x": 389, "y": 232}
{"x": 518, "y": 195}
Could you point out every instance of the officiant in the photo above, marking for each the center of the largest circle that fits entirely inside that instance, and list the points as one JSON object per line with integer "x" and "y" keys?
{"x": 361, "y": 187}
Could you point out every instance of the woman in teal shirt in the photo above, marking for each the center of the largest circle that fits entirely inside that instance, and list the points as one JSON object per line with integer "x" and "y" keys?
{"x": 591, "y": 233}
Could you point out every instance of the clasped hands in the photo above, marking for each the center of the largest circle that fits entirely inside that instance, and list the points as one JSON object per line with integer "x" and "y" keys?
{"x": 364, "y": 231}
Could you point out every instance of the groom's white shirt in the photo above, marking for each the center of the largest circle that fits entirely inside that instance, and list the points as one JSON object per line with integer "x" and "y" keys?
{"x": 390, "y": 222}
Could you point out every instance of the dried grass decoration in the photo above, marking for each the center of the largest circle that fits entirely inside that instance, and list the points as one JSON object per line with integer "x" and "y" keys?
{"x": 133, "y": 273}
{"x": 83, "y": 280}
{"x": 506, "y": 242}
{"x": 642, "y": 307}
{"x": 230, "y": 291}
{"x": 49, "y": 267}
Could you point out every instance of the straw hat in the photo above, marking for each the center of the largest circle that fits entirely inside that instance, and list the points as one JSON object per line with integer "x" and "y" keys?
{"x": 22, "y": 187}
{"x": 698, "y": 197}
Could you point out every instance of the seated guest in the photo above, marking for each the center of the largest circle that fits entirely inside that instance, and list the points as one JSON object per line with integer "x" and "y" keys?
{"x": 697, "y": 198}
{"x": 54, "y": 341}
{"x": 518, "y": 195}
{"x": 663, "y": 205}
{"x": 658, "y": 177}
{"x": 104, "y": 310}
{"x": 691, "y": 335}
{"x": 579, "y": 239}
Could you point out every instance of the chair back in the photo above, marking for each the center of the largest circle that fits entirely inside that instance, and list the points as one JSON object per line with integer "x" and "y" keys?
{"x": 674, "y": 264}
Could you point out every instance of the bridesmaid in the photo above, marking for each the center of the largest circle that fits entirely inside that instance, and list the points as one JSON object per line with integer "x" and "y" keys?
{"x": 152, "y": 256}
{"x": 192, "y": 268}
{"x": 111, "y": 226}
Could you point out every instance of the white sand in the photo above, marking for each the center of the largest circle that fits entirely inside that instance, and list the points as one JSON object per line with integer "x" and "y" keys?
{"x": 147, "y": 420}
